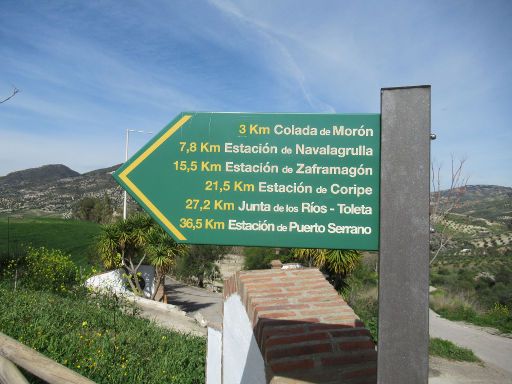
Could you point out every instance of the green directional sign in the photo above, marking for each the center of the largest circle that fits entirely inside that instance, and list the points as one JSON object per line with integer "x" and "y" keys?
{"x": 286, "y": 180}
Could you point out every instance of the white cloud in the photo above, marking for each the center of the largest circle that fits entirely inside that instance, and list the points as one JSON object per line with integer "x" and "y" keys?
{"x": 287, "y": 65}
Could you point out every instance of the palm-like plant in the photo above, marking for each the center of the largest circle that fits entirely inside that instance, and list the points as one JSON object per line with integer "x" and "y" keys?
{"x": 162, "y": 251}
{"x": 336, "y": 262}
{"x": 121, "y": 244}
{"x": 341, "y": 261}
{"x": 308, "y": 256}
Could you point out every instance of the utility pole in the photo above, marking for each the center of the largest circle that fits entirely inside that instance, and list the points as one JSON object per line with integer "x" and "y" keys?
{"x": 8, "y": 238}
{"x": 127, "y": 140}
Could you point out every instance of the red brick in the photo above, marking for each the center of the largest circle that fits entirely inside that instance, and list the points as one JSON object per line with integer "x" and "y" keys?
{"x": 260, "y": 287}
{"x": 351, "y": 345}
{"x": 330, "y": 327}
{"x": 350, "y": 333}
{"x": 313, "y": 284}
{"x": 324, "y": 311}
{"x": 280, "y": 307}
{"x": 334, "y": 298}
{"x": 340, "y": 319}
{"x": 274, "y": 315}
{"x": 339, "y": 305}
{"x": 267, "y": 300}
{"x": 281, "y": 295}
{"x": 292, "y": 365}
{"x": 270, "y": 331}
{"x": 268, "y": 290}
{"x": 298, "y": 351}
{"x": 296, "y": 339}
{"x": 322, "y": 292}
{"x": 335, "y": 317}
{"x": 360, "y": 372}
{"x": 349, "y": 359}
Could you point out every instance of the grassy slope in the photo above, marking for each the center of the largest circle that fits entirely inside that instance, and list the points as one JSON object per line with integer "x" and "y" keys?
{"x": 73, "y": 237}
{"x": 95, "y": 338}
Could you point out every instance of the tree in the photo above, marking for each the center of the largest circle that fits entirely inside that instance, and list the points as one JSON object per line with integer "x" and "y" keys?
{"x": 261, "y": 257}
{"x": 442, "y": 204}
{"x": 122, "y": 244}
{"x": 198, "y": 265}
{"x": 94, "y": 209}
{"x": 162, "y": 252}
{"x": 337, "y": 263}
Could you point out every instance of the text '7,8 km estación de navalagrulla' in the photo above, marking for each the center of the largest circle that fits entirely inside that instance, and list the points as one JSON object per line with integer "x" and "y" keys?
{"x": 285, "y": 180}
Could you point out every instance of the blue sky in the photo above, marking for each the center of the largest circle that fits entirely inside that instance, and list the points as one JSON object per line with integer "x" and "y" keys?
{"x": 88, "y": 70}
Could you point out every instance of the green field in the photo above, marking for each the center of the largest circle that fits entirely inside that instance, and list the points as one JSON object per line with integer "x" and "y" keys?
{"x": 76, "y": 238}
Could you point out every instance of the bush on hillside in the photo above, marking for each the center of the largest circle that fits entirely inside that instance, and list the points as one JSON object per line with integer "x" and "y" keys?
{"x": 360, "y": 291}
{"x": 44, "y": 269}
{"x": 260, "y": 257}
{"x": 94, "y": 209}
{"x": 197, "y": 266}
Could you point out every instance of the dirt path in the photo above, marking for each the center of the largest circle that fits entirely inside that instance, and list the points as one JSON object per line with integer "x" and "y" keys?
{"x": 492, "y": 349}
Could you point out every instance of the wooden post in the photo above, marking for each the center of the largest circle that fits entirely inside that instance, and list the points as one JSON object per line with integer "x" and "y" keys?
{"x": 38, "y": 364}
{"x": 9, "y": 373}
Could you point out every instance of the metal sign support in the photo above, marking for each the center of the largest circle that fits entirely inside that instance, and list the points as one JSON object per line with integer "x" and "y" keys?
{"x": 404, "y": 236}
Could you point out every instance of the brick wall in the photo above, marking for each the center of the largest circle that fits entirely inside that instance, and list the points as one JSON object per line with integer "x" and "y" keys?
{"x": 305, "y": 331}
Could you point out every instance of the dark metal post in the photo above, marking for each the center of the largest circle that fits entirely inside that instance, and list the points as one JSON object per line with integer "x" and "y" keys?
{"x": 404, "y": 236}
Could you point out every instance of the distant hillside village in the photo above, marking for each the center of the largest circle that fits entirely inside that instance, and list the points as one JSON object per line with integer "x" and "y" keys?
{"x": 53, "y": 190}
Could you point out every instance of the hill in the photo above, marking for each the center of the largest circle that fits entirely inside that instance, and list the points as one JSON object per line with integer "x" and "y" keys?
{"x": 482, "y": 217}
{"x": 490, "y": 202}
{"x": 31, "y": 176}
{"x": 52, "y": 190}
{"x": 473, "y": 269}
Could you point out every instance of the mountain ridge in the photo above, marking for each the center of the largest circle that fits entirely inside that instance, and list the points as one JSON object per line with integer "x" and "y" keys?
{"x": 46, "y": 173}
{"x": 53, "y": 189}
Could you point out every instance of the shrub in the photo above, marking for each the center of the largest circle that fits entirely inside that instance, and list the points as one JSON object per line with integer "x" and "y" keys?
{"x": 366, "y": 306}
{"x": 45, "y": 269}
{"x": 500, "y": 316}
{"x": 198, "y": 265}
{"x": 436, "y": 279}
{"x": 463, "y": 308}
{"x": 360, "y": 292}
{"x": 258, "y": 257}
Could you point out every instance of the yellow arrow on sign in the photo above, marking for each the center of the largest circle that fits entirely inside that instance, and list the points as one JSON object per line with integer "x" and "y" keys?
{"x": 124, "y": 176}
